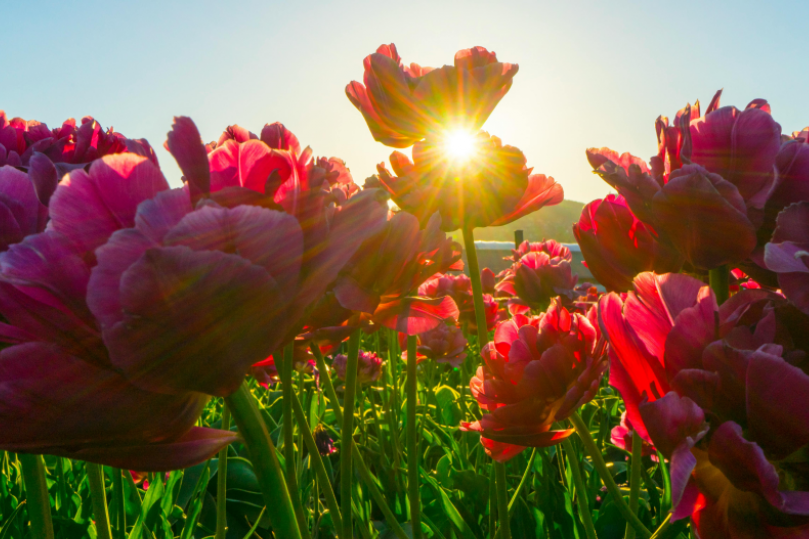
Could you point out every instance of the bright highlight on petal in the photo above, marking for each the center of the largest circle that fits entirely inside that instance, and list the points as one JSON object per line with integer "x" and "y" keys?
{"x": 460, "y": 144}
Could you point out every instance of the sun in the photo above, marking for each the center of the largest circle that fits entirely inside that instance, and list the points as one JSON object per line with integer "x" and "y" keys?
{"x": 460, "y": 144}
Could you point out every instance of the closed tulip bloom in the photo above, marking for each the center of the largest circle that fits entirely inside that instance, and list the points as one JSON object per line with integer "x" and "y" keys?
{"x": 492, "y": 187}
{"x": 617, "y": 246}
{"x": 403, "y": 104}
{"x": 207, "y": 283}
{"x": 61, "y": 393}
{"x": 537, "y": 371}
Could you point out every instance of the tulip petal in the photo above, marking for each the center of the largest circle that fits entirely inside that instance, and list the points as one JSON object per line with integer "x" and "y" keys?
{"x": 193, "y": 321}
{"x": 776, "y": 404}
{"x": 195, "y": 446}
{"x": 89, "y": 207}
{"x": 185, "y": 144}
{"x": 414, "y": 315}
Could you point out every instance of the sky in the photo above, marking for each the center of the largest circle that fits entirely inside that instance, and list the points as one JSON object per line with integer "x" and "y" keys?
{"x": 592, "y": 73}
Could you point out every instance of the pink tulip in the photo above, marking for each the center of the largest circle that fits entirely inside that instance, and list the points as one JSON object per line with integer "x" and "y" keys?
{"x": 539, "y": 275}
{"x": 443, "y": 344}
{"x": 61, "y": 393}
{"x": 788, "y": 253}
{"x": 369, "y": 367}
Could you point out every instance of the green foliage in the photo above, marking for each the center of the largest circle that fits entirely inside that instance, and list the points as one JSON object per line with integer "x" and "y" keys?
{"x": 454, "y": 474}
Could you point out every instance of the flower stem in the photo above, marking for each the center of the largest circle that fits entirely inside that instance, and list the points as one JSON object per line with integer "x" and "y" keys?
{"x": 606, "y": 477}
{"x": 36, "y": 494}
{"x": 719, "y": 278}
{"x": 95, "y": 476}
{"x": 259, "y": 445}
{"x": 634, "y": 481}
{"x": 502, "y": 500}
{"x": 347, "y": 433}
{"x": 325, "y": 381}
{"x": 412, "y": 442}
{"x": 477, "y": 287}
{"x": 222, "y": 482}
{"x": 525, "y": 475}
{"x": 120, "y": 503}
{"x": 581, "y": 492}
{"x": 289, "y": 439}
{"x": 317, "y": 462}
{"x": 60, "y": 472}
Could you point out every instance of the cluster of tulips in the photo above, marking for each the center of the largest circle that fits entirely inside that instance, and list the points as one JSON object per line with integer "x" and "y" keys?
{"x": 127, "y": 305}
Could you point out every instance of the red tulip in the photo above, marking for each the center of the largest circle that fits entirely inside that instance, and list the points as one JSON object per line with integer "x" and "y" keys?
{"x": 492, "y": 188}
{"x": 21, "y": 213}
{"x": 704, "y": 217}
{"x": 791, "y": 182}
{"x": 459, "y": 288}
{"x": 61, "y": 394}
{"x": 443, "y": 344}
{"x": 266, "y": 371}
{"x": 369, "y": 367}
{"x": 403, "y": 104}
{"x": 788, "y": 253}
{"x": 740, "y": 146}
{"x": 718, "y": 392}
{"x": 224, "y": 283}
{"x": 537, "y": 371}
{"x": 617, "y": 246}
{"x": 622, "y": 436}
{"x": 538, "y": 276}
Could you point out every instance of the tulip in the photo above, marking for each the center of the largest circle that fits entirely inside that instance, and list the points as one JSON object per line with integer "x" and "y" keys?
{"x": 716, "y": 389}
{"x": 459, "y": 288}
{"x": 538, "y": 276}
{"x": 740, "y": 146}
{"x": 369, "y": 367}
{"x": 622, "y": 435}
{"x": 61, "y": 393}
{"x": 492, "y": 188}
{"x": 553, "y": 249}
{"x": 325, "y": 444}
{"x": 21, "y": 213}
{"x": 537, "y": 371}
{"x": 266, "y": 371}
{"x": 404, "y": 104}
{"x": 617, "y": 246}
{"x": 445, "y": 343}
{"x": 788, "y": 253}
{"x": 791, "y": 182}
{"x": 704, "y": 217}
{"x": 194, "y": 294}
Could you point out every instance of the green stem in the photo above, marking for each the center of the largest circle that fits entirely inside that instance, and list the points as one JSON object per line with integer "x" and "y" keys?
{"x": 291, "y": 473}
{"x": 317, "y": 462}
{"x": 412, "y": 441}
{"x": 325, "y": 380}
{"x": 477, "y": 287}
{"x": 120, "y": 503}
{"x": 347, "y": 433}
{"x": 719, "y": 278}
{"x": 634, "y": 481}
{"x": 222, "y": 482}
{"x": 95, "y": 476}
{"x": 523, "y": 480}
{"x": 492, "y": 502}
{"x": 268, "y": 470}
{"x": 606, "y": 477}
{"x": 63, "y": 501}
{"x": 36, "y": 494}
{"x": 581, "y": 492}
{"x": 504, "y": 531}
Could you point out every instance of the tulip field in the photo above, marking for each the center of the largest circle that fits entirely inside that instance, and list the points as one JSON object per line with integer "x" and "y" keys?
{"x": 275, "y": 349}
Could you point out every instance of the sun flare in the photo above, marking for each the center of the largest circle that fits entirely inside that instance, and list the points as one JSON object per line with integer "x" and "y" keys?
{"x": 460, "y": 144}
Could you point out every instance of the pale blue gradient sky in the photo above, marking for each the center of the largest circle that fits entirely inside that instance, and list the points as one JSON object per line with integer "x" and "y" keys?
{"x": 592, "y": 73}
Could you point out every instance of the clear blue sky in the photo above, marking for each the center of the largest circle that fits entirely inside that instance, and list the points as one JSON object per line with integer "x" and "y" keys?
{"x": 592, "y": 73}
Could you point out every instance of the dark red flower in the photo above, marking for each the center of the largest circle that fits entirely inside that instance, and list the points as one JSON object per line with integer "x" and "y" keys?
{"x": 788, "y": 254}
{"x": 537, "y": 276}
{"x": 403, "y": 104}
{"x": 208, "y": 283}
{"x": 459, "y": 288}
{"x": 493, "y": 187}
{"x": 617, "y": 246}
{"x": 21, "y": 213}
{"x": 60, "y": 393}
{"x": 443, "y": 344}
{"x": 537, "y": 371}
{"x": 369, "y": 367}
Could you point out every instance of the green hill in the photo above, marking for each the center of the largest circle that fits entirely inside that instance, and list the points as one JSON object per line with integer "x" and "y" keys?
{"x": 554, "y": 222}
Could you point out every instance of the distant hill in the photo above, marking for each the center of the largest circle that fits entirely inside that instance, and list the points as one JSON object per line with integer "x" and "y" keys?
{"x": 554, "y": 222}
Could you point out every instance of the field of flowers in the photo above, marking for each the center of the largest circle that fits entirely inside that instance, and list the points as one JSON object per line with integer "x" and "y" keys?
{"x": 273, "y": 350}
